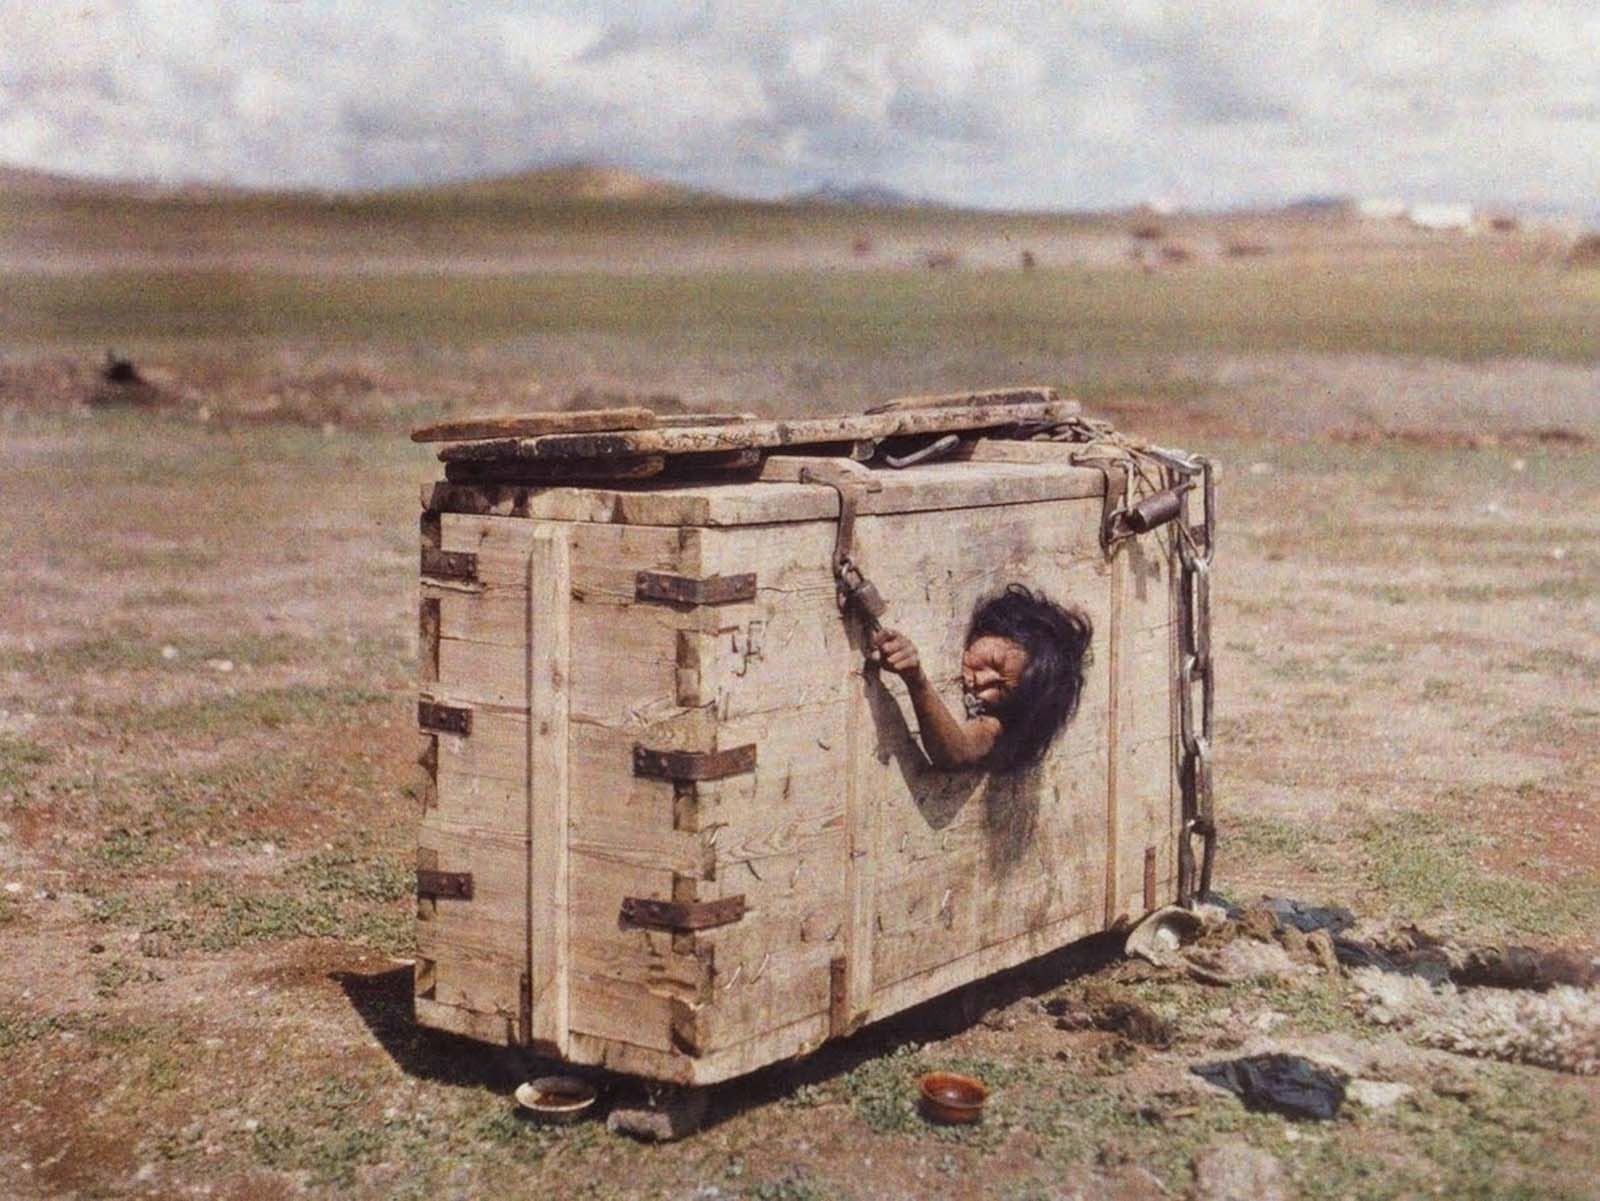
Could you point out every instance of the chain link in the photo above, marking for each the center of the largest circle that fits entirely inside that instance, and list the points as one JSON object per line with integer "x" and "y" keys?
{"x": 1195, "y": 544}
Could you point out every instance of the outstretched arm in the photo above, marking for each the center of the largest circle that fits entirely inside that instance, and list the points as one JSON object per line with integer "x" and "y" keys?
{"x": 949, "y": 742}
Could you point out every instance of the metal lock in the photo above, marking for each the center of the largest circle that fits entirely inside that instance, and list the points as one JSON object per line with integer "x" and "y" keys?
{"x": 865, "y": 594}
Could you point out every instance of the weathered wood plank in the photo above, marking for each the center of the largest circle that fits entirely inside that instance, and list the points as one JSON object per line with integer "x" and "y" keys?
{"x": 528, "y": 425}
{"x": 987, "y": 398}
{"x": 779, "y": 498}
{"x": 1148, "y": 726}
{"x": 616, "y": 989}
{"x": 547, "y": 472}
{"x": 702, "y": 439}
{"x": 494, "y": 1028}
{"x": 549, "y": 676}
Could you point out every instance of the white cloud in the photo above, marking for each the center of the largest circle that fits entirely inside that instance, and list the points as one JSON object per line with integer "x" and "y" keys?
{"x": 1034, "y": 102}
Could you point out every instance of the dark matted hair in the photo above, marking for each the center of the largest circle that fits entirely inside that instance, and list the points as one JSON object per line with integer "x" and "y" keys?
{"x": 1057, "y": 642}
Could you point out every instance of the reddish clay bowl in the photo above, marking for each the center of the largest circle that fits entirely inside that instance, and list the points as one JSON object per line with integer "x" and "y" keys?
{"x": 953, "y": 1099}
{"x": 557, "y": 1099}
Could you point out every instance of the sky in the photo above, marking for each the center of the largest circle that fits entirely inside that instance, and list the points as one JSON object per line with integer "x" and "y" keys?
{"x": 1071, "y": 104}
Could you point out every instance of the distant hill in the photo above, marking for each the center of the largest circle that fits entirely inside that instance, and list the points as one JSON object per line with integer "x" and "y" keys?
{"x": 25, "y": 181}
{"x": 865, "y": 195}
{"x": 570, "y": 183}
{"x": 566, "y": 184}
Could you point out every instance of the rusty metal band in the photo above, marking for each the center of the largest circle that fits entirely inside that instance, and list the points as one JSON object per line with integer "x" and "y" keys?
{"x": 693, "y": 765}
{"x": 436, "y": 717}
{"x": 686, "y": 590}
{"x": 681, "y": 916}
{"x": 455, "y": 886}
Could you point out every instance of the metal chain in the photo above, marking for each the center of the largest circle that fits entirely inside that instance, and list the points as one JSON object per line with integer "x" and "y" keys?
{"x": 1190, "y": 553}
{"x": 1195, "y": 546}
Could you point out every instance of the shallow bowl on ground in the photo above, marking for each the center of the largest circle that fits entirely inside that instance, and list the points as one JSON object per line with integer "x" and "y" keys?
{"x": 947, "y": 1097}
{"x": 555, "y": 1098}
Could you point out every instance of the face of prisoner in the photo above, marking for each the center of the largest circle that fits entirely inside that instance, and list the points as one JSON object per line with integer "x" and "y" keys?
{"x": 991, "y": 669}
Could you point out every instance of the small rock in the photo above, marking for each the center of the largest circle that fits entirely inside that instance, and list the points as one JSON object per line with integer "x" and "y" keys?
{"x": 97, "y": 948}
{"x": 1558, "y": 553}
{"x": 674, "y": 1116}
{"x": 1377, "y": 1094}
{"x": 13, "y": 887}
{"x": 1320, "y": 944}
{"x": 169, "y": 652}
{"x": 1240, "y": 960}
{"x": 1236, "y": 1171}
{"x": 250, "y": 1125}
{"x": 223, "y": 665}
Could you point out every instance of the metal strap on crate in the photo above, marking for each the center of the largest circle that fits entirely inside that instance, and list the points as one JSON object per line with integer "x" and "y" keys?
{"x": 851, "y": 481}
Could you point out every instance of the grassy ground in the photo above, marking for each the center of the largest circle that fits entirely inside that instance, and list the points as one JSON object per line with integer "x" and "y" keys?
{"x": 1474, "y": 306}
{"x": 207, "y": 790}
{"x": 207, "y": 798}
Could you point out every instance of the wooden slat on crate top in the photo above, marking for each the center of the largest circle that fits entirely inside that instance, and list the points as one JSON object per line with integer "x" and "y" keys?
{"x": 777, "y": 497}
{"x": 950, "y": 400}
{"x": 526, "y": 425}
{"x": 740, "y": 435}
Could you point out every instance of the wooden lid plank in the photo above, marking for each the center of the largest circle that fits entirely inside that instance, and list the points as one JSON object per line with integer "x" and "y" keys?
{"x": 799, "y": 432}
{"x": 529, "y": 425}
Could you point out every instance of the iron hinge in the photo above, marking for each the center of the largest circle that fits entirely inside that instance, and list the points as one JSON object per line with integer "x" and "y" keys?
{"x": 455, "y": 886}
{"x": 681, "y": 916}
{"x": 435, "y": 717}
{"x": 687, "y": 590}
{"x": 449, "y": 564}
{"x": 693, "y": 765}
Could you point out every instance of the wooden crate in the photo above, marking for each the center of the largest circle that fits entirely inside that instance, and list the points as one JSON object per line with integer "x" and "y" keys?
{"x": 609, "y": 768}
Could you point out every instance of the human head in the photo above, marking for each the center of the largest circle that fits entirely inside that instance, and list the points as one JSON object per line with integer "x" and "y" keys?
{"x": 1055, "y": 643}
